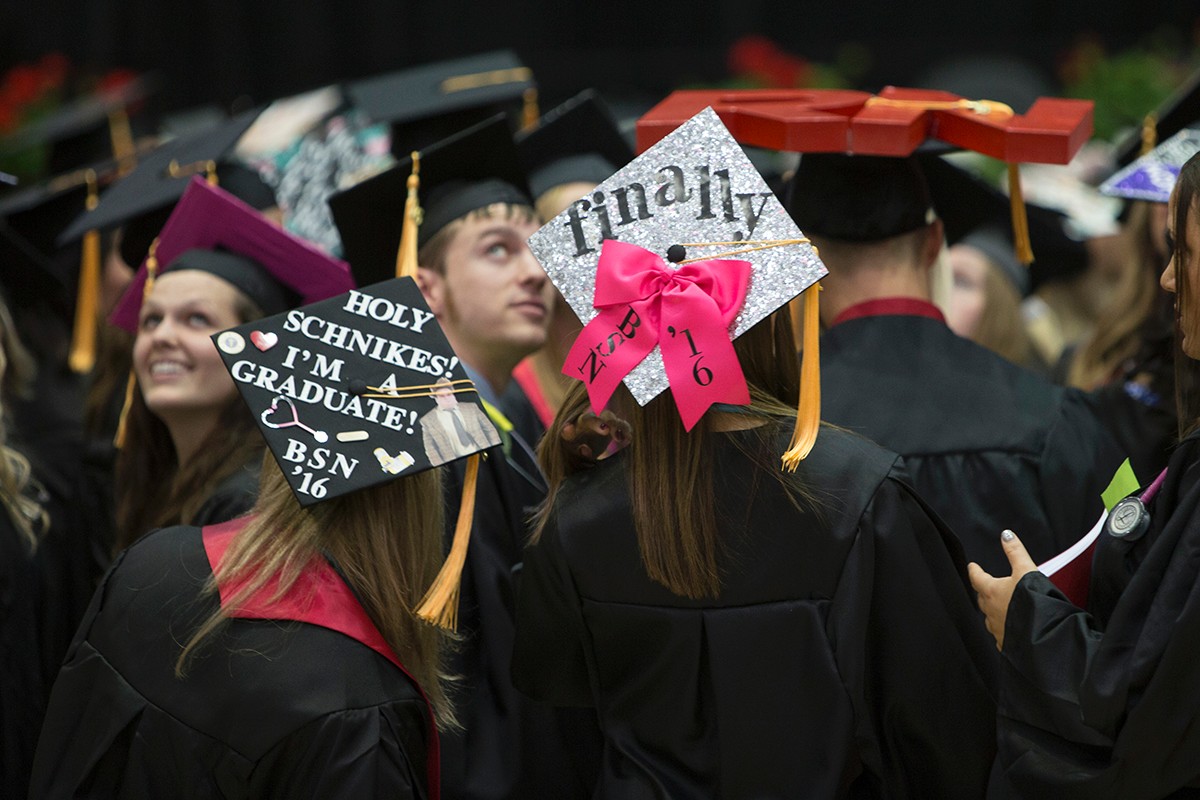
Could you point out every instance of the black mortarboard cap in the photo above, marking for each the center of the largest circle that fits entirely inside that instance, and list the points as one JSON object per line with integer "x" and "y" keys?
{"x": 858, "y": 198}
{"x": 87, "y": 129}
{"x": 152, "y": 189}
{"x": 978, "y": 214}
{"x": 344, "y": 390}
{"x": 427, "y": 103}
{"x": 578, "y": 141}
{"x": 473, "y": 169}
{"x": 1174, "y": 114}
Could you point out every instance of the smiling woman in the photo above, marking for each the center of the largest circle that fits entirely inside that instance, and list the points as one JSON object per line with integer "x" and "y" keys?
{"x": 191, "y": 451}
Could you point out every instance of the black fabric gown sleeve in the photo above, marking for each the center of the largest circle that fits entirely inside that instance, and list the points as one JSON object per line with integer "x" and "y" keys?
{"x": 1078, "y": 460}
{"x": 1091, "y": 713}
{"x": 549, "y": 660}
{"x": 913, "y": 653}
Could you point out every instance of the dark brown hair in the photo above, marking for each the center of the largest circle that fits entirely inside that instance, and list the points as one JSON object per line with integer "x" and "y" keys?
{"x": 1187, "y": 212}
{"x": 152, "y": 490}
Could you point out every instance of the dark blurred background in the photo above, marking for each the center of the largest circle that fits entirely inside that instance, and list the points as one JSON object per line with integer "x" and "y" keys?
{"x": 229, "y": 55}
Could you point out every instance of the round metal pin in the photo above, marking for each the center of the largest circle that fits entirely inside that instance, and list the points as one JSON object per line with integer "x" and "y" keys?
{"x": 1128, "y": 520}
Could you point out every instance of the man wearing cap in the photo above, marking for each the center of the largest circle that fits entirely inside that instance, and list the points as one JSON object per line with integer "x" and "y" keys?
{"x": 492, "y": 300}
{"x": 989, "y": 445}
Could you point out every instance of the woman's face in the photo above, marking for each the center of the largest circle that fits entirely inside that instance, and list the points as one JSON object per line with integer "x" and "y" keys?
{"x": 1189, "y": 322}
{"x": 968, "y": 295}
{"x": 182, "y": 377}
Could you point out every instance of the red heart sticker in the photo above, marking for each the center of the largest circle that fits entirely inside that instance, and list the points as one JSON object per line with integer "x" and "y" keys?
{"x": 264, "y": 341}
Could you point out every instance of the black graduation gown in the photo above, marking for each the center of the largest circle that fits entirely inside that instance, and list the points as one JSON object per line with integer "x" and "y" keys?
{"x": 844, "y": 656}
{"x": 987, "y": 444}
{"x": 1107, "y": 705}
{"x": 510, "y": 746}
{"x": 269, "y": 708}
{"x": 233, "y": 497}
{"x": 22, "y": 698}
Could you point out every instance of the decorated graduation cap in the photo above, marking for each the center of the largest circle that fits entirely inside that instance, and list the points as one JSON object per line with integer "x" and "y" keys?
{"x": 427, "y": 103}
{"x": 411, "y": 202}
{"x": 669, "y": 260}
{"x": 213, "y": 231}
{"x": 142, "y": 200}
{"x": 357, "y": 390}
{"x": 896, "y": 122}
{"x": 578, "y": 141}
{"x": 1153, "y": 176}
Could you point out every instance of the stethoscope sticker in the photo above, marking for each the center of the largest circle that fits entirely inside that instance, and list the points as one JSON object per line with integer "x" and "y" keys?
{"x": 294, "y": 422}
{"x": 1129, "y": 519}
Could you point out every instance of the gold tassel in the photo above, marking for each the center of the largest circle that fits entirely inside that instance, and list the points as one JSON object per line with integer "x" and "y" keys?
{"x": 406, "y": 257}
{"x": 210, "y": 173}
{"x": 808, "y": 412}
{"x": 83, "y": 338}
{"x": 1149, "y": 134}
{"x": 1020, "y": 219}
{"x": 529, "y": 109}
{"x": 440, "y": 604}
{"x": 119, "y": 437}
{"x": 151, "y": 272}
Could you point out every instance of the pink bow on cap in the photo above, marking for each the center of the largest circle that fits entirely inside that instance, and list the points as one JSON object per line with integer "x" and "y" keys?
{"x": 688, "y": 311}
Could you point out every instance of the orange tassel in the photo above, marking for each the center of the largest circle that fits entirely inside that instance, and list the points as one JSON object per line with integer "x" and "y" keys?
{"x": 1020, "y": 219}
{"x": 440, "y": 604}
{"x": 808, "y": 412}
{"x": 406, "y": 257}
{"x": 83, "y": 338}
{"x": 530, "y": 113}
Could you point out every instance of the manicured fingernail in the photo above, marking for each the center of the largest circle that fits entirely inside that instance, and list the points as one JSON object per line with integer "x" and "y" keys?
{"x": 1007, "y": 536}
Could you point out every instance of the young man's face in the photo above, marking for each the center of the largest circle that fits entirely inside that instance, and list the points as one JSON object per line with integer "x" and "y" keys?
{"x": 492, "y": 297}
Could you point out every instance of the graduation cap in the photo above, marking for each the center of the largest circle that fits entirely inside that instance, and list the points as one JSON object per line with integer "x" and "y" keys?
{"x": 37, "y": 268}
{"x": 357, "y": 390}
{"x": 693, "y": 198}
{"x": 578, "y": 141}
{"x": 214, "y": 231}
{"x": 88, "y": 129}
{"x": 428, "y": 103}
{"x": 142, "y": 200}
{"x": 472, "y": 169}
{"x": 1180, "y": 110}
{"x": 896, "y": 122}
{"x": 977, "y": 213}
{"x": 859, "y": 198}
{"x": 1153, "y": 176}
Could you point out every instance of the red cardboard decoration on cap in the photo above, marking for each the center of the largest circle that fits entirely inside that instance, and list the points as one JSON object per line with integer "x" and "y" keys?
{"x": 893, "y": 123}
{"x": 208, "y": 218}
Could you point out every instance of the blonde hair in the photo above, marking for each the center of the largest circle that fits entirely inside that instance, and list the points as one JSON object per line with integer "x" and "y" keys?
{"x": 387, "y": 543}
{"x": 1001, "y": 327}
{"x": 17, "y": 485}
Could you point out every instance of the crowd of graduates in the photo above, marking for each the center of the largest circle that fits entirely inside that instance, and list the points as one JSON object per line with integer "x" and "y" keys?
{"x": 327, "y": 471}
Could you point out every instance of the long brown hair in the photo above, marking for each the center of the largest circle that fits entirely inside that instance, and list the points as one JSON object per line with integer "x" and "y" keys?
{"x": 386, "y": 541}
{"x": 1136, "y": 310}
{"x": 670, "y": 470}
{"x": 1001, "y": 328}
{"x": 152, "y": 490}
{"x": 1187, "y": 212}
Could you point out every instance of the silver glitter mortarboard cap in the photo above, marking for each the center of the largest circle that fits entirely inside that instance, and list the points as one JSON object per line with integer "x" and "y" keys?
{"x": 695, "y": 188}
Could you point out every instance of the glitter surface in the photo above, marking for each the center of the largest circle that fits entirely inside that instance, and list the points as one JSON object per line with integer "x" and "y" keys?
{"x": 699, "y": 186}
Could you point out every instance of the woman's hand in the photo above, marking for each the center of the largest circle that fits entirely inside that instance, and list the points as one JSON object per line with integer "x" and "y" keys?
{"x": 590, "y": 438}
{"x": 995, "y": 593}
